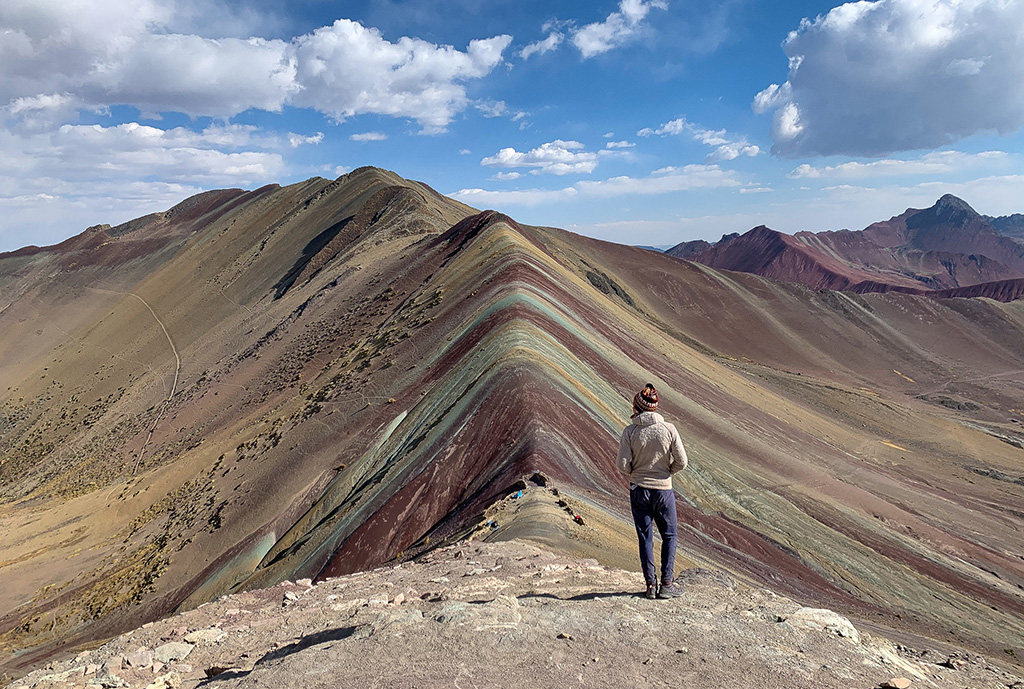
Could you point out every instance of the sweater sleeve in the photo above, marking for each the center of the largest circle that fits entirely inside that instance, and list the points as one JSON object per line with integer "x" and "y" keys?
{"x": 624, "y": 460}
{"x": 678, "y": 452}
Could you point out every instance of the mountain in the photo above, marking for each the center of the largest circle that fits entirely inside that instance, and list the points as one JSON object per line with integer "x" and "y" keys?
{"x": 688, "y": 249}
{"x": 1008, "y": 225}
{"x": 314, "y": 380}
{"x": 944, "y": 247}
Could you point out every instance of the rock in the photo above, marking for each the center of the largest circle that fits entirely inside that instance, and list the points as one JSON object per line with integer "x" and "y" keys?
{"x": 563, "y": 635}
{"x": 231, "y": 612}
{"x": 113, "y": 664}
{"x": 109, "y": 681}
{"x": 157, "y": 666}
{"x": 168, "y": 681}
{"x": 92, "y": 669}
{"x": 826, "y": 620}
{"x": 954, "y": 663}
{"x": 175, "y": 650}
{"x": 215, "y": 670}
{"x": 308, "y": 583}
{"x": 211, "y": 635}
{"x": 143, "y": 657}
{"x": 291, "y": 595}
{"x": 896, "y": 683}
{"x": 399, "y": 599}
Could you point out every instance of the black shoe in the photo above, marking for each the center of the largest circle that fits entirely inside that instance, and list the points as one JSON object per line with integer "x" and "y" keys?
{"x": 652, "y": 591}
{"x": 672, "y": 590}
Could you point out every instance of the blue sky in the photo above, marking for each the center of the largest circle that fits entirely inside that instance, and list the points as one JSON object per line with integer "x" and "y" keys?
{"x": 638, "y": 121}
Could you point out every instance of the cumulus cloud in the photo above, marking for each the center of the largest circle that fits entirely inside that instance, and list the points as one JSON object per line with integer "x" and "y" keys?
{"x": 726, "y": 147}
{"x": 618, "y": 28}
{"x": 619, "y": 144}
{"x": 555, "y": 158}
{"x": 664, "y": 181}
{"x": 872, "y": 78}
{"x": 347, "y": 69}
{"x": 937, "y": 162}
{"x": 93, "y": 54}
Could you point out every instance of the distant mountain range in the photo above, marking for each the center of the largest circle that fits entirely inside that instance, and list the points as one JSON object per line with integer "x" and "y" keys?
{"x": 939, "y": 250}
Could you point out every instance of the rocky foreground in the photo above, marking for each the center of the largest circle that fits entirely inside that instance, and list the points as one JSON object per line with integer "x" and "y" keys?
{"x": 509, "y": 614}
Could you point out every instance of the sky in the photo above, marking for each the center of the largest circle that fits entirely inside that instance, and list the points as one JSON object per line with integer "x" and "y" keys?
{"x": 637, "y": 121}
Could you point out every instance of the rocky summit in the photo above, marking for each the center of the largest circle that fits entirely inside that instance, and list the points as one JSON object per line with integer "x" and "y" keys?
{"x": 509, "y": 614}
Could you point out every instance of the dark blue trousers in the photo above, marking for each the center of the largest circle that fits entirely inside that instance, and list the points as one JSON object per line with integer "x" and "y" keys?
{"x": 659, "y": 506}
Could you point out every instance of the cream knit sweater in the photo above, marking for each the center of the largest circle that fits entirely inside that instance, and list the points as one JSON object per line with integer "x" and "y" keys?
{"x": 650, "y": 451}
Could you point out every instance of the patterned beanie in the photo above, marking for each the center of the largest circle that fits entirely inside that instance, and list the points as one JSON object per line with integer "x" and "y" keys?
{"x": 645, "y": 400}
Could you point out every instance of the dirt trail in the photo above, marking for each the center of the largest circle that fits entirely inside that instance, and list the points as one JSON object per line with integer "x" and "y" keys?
{"x": 174, "y": 383}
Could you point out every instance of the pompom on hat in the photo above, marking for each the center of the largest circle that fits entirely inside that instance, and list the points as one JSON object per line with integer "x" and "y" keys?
{"x": 645, "y": 400}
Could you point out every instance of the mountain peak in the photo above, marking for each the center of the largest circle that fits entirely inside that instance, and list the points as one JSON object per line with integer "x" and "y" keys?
{"x": 949, "y": 204}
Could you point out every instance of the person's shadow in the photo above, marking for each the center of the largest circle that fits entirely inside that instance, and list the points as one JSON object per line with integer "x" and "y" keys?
{"x": 326, "y": 636}
{"x": 584, "y": 596}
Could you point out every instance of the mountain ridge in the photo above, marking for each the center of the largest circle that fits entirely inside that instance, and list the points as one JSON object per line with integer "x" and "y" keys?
{"x": 435, "y": 357}
{"x": 934, "y": 250}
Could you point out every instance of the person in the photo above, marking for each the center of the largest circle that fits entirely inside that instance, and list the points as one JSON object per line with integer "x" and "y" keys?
{"x": 650, "y": 451}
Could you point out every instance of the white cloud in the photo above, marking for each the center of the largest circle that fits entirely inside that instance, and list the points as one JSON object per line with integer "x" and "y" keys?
{"x": 935, "y": 163}
{"x": 507, "y": 175}
{"x": 670, "y": 128}
{"x": 619, "y": 144}
{"x": 726, "y": 147}
{"x": 369, "y": 136}
{"x": 492, "y": 108}
{"x": 618, "y": 28}
{"x": 498, "y": 108}
{"x": 555, "y": 158}
{"x": 872, "y": 78}
{"x": 296, "y": 140}
{"x": 347, "y": 69}
{"x": 546, "y": 45}
{"x": 93, "y": 54}
{"x": 134, "y": 151}
{"x": 664, "y": 181}
{"x": 57, "y": 183}
{"x": 483, "y": 198}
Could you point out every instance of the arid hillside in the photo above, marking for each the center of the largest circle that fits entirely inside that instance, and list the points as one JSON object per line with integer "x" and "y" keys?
{"x": 309, "y": 381}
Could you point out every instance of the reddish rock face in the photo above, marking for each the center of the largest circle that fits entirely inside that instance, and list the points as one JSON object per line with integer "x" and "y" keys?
{"x": 945, "y": 247}
{"x": 306, "y": 381}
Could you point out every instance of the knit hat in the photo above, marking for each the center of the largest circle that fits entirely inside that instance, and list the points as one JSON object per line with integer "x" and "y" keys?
{"x": 645, "y": 400}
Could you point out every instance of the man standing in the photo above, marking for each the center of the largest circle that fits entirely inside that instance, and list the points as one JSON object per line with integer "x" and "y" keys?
{"x": 650, "y": 451}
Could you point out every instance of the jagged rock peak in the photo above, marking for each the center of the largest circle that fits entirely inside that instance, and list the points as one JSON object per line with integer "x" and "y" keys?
{"x": 949, "y": 204}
